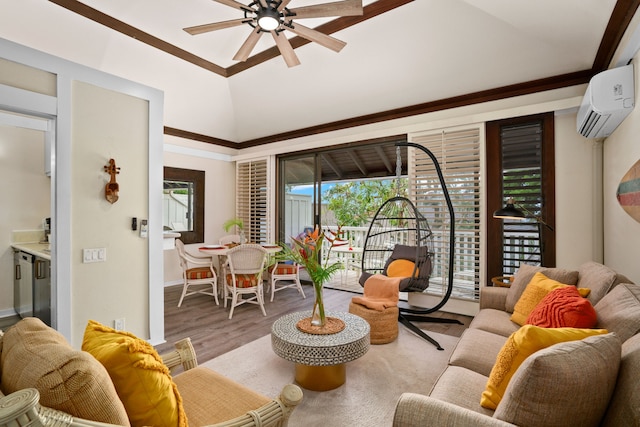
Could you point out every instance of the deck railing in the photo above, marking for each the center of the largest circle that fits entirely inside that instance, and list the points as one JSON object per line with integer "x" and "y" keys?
{"x": 466, "y": 261}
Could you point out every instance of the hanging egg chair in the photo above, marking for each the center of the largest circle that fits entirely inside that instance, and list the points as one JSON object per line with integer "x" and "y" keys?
{"x": 399, "y": 232}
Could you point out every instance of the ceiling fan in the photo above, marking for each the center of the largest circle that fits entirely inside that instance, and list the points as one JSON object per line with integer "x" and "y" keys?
{"x": 273, "y": 16}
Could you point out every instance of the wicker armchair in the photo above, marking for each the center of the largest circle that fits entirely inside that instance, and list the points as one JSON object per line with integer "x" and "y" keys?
{"x": 21, "y": 408}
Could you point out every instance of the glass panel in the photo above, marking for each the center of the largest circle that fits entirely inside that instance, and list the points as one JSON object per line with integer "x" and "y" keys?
{"x": 178, "y": 205}
{"x": 300, "y": 190}
{"x": 183, "y": 203}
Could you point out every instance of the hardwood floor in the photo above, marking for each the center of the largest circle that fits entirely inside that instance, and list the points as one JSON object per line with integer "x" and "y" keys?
{"x": 213, "y": 334}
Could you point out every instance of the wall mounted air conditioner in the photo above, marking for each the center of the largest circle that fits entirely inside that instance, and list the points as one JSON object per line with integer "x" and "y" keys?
{"x": 608, "y": 100}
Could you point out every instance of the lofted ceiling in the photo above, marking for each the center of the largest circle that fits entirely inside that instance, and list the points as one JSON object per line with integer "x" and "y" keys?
{"x": 402, "y": 57}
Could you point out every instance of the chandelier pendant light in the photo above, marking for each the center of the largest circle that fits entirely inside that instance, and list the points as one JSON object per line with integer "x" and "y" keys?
{"x": 273, "y": 16}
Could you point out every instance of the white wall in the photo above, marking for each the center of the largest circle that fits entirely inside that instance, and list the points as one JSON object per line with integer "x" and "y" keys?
{"x": 219, "y": 193}
{"x": 622, "y": 232}
{"x": 108, "y": 124}
{"x": 98, "y": 116}
{"x": 578, "y": 171}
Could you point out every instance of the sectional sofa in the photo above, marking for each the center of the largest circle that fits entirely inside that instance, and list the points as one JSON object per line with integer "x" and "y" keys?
{"x": 581, "y": 382}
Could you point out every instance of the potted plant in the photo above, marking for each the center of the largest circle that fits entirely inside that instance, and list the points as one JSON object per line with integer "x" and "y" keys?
{"x": 306, "y": 252}
{"x": 239, "y": 224}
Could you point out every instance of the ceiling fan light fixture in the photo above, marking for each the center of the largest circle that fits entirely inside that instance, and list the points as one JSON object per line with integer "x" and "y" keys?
{"x": 268, "y": 19}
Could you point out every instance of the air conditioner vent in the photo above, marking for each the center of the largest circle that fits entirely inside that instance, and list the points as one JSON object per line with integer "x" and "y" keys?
{"x": 607, "y": 102}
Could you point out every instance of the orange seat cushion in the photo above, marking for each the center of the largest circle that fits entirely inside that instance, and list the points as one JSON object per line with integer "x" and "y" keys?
{"x": 284, "y": 269}
{"x": 243, "y": 280}
{"x": 199, "y": 273}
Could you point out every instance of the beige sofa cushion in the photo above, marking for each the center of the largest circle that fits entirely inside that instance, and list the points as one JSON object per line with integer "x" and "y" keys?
{"x": 619, "y": 311}
{"x": 37, "y": 356}
{"x": 599, "y": 278}
{"x": 461, "y": 387}
{"x": 624, "y": 406}
{"x": 477, "y": 350}
{"x": 494, "y": 321}
{"x": 567, "y": 384}
{"x": 524, "y": 275}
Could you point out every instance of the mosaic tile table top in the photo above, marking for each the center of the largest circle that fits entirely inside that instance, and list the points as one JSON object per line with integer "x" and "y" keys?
{"x": 296, "y": 346}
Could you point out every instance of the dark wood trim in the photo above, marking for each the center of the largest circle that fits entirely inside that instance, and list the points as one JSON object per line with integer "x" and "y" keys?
{"x": 199, "y": 137}
{"x": 519, "y": 89}
{"x": 198, "y": 179}
{"x": 620, "y": 18}
{"x": 370, "y": 11}
{"x": 494, "y": 199}
{"x": 133, "y": 32}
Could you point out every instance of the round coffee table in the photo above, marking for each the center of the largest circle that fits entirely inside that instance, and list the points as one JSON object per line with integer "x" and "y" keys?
{"x": 320, "y": 359}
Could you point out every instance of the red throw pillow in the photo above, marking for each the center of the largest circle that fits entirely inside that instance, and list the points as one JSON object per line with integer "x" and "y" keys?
{"x": 563, "y": 308}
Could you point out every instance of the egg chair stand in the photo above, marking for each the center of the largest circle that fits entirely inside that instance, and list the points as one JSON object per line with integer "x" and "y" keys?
{"x": 399, "y": 231}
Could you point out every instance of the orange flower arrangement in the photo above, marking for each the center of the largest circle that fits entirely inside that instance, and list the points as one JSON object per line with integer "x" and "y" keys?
{"x": 306, "y": 252}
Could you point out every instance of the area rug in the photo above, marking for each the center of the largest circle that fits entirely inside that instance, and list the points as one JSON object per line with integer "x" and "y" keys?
{"x": 374, "y": 382}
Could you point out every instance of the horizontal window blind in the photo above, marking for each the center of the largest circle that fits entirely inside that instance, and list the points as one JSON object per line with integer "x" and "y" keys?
{"x": 252, "y": 199}
{"x": 458, "y": 153}
{"x": 522, "y": 180}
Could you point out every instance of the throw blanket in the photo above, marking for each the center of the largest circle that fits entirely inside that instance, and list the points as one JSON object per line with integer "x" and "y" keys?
{"x": 380, "y": 292}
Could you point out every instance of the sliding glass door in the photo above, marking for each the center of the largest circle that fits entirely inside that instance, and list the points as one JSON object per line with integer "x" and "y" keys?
{"x": 298, "y": 196}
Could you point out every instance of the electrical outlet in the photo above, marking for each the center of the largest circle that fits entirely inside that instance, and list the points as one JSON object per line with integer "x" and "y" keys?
{"x": 118, "y": 324}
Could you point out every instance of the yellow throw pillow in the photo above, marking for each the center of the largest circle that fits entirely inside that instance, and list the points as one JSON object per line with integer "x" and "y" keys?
{"x": 401, "y": 268}
{"x": 538, "y": 288}
{"x": 140, "y": 377}
{"x": 520, "y": 345}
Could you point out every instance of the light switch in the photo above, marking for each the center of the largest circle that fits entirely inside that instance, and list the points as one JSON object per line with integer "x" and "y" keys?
{"x": 94, "y": 255}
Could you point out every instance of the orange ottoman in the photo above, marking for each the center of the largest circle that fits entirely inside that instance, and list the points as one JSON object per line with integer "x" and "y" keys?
{"x": 384, "y": 324}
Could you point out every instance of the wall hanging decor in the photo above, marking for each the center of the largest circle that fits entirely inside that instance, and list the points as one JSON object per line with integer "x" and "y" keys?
{"x": 628, "y": 193}
{"x": 112, "y": 188}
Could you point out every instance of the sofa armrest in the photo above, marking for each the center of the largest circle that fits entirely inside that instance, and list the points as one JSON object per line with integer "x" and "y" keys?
{"x": 493, "y": 297}
{"x": 416, "y": 410}
{"x": 273, "y": 414}
{"x": 184, "y": 355}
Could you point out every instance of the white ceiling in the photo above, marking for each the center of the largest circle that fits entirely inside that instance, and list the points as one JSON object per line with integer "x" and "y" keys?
{"x": 423, "y": 51}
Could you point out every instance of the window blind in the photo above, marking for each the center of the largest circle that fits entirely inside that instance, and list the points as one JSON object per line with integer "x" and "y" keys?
{"x": 252, "y": 199}
{"x": 458, "y": 153}
{"x": 522, "y": 180}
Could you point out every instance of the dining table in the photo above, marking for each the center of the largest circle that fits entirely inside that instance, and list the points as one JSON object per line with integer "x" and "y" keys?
{"x": 350, "y": 256}
{"x": 221, "y": 251}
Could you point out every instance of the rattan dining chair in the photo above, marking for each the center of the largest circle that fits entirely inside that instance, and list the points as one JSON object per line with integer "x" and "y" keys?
{"x": 229, "y": 239}
{"x": 288, "y": 273}
{"x": 246, "y": 264}
{"x": 196, "y": 272}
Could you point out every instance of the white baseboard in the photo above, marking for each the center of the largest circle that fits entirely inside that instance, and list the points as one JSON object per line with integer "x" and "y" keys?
{"x": 173, "y": 283}
{"x": 8, "y": 312}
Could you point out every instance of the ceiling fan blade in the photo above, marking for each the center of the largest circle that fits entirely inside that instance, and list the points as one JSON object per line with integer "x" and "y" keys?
{"x": 248, "y": 45}
{"x": 338, "y": 8}
{"x": 316, "y": 36}
{"x": 234, "y": 4}
{"x": 263, "y": 3}
{"x": 283, "y": 4}
{"x": 285, "y": 49}
{"x": 199, "y": 29}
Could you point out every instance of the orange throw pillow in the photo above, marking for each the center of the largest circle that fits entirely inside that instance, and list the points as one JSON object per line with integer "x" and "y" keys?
{"x": 401, "y": 268}
{"x": 563, "y": 308}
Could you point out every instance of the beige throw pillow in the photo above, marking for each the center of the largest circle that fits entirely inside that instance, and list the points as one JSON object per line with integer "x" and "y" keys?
{"x": 567, "y": 384}
{"x": 37, "y": 356}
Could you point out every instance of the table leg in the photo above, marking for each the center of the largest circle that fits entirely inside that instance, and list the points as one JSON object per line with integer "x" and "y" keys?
{"x": 321, "y": 378}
